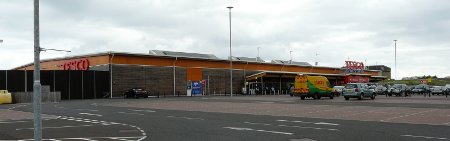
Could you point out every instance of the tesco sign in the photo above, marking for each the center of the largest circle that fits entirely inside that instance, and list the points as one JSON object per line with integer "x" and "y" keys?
{"x": 354, "y": 67}
{"x": 81, "y": 64}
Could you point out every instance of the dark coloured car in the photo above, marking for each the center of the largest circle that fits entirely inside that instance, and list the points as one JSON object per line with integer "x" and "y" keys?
{"x": 135, "y": 93}
{"x": 399, "y": 90}
{"x": 421, "y": 89}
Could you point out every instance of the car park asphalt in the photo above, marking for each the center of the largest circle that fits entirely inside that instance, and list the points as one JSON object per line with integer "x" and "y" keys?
{"x": 215, "y": 118}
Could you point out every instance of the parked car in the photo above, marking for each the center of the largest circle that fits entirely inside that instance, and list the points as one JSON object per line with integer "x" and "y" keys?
{"x": 421, "y": 89}
{"x": 357, "y": 90}
{"x": 399, "y": 90}
{"x": 381, "y": 90}
{"x": 447, "y": 88}
{"x": 135, "y": 93}
{"x": 372, "y": 88}
{"x": 438, "y": 90}
{"x": 337, "y": 90}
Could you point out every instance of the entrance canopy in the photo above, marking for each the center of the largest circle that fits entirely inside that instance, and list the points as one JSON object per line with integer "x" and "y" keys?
{"x": 288, "y": 75}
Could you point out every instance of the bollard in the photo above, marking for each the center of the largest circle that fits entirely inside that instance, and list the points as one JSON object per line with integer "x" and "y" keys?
{"x": 178, "y": 93}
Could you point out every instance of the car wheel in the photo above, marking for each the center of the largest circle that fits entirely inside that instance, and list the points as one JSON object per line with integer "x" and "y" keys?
{"x": 346, "y": 98}
{"x": 361, "y": 96}
{"x": 316, "y": 96}
{"x": 372, "y": 97}
{"x": 302, "y": 97}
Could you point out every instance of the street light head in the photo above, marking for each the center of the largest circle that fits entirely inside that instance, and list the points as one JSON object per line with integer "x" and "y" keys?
{"x": 229, "y": 7}
{"x": 395, "y": 40}
{"x": 1, "y": 41}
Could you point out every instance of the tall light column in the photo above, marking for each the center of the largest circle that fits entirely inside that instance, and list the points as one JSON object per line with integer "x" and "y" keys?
{"x": 258, "y": 54}
{"x": 231, "y": 57}
{"x": 395, "y": 70}
{"x": 290, "y": 54}
{"x": 37, "y": 77}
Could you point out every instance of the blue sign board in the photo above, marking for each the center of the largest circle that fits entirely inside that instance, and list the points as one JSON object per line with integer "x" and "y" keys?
{"x": 197, "y": 88}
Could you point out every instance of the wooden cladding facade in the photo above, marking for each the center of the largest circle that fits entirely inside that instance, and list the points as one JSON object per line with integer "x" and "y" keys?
{"x": 164, "y": 61}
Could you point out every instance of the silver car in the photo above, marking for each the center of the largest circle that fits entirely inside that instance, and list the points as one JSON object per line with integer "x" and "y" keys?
{"x": 357, "y": 90}
{"x": 438, "y": 90}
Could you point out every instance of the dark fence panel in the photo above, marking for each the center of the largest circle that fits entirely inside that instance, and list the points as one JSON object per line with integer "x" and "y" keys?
{"x": 2, "y": 80}
{"x": 63, "y": 84}
{"x": 16, "y": 80}
{"x": 102, "y": 84}
{"x": 30, "y": 80}
{"x": 71, "y": 84}
{"x": 75, "y": 85}
{"x": 88, "y": 80}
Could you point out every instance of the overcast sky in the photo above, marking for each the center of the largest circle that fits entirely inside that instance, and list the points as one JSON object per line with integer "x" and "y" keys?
{"x": 359, "y": 30}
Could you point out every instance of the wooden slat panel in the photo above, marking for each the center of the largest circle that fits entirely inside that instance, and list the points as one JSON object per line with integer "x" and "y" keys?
{"x": 194, "y": 74}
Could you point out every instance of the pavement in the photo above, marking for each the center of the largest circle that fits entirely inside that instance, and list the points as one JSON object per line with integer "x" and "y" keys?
{"x": 261, "y": 118}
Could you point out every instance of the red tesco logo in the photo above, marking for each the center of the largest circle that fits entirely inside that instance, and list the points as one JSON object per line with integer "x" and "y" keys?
{"x": 82, "y": 64}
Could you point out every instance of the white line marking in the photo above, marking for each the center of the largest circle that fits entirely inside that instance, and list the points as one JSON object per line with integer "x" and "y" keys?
{"x": 250, "y": 129}
{"x": 318, "y": 123}
{"x": 325, "y": 123}
{"x": 89, "y": 114}
{"x": 87, "y": 110}
{"x": 302, "y": 127}
{"x": 149, "y": 111}
{"x": 54, "y": 127}
{"x": 425, "y": 137}
{"x": 130, "y": 113}
{"x": 89, "y": 138}
{"x": 190, "y": 118}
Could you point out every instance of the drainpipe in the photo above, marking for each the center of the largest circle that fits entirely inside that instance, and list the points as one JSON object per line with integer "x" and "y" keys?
{"x": 174, "y": 83}
{"x": 245, "y": 79}
{"x": 110, "y": 74}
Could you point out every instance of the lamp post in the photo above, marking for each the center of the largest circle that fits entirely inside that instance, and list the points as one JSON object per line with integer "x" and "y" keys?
{"x": 231, "y": 57}
{"x": 258, "y": 54}
{"x": 37, "y": 82}
{"x": 290, "y": 54}
{"x": 317, "y": 59}
{"x": 395, "y": 70}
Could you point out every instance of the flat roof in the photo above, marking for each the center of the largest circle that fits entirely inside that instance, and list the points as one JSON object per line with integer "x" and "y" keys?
{"x": 166, "y": 56}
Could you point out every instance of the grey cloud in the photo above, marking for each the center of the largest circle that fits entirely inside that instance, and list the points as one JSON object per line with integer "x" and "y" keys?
{"x": 360, "y": 30}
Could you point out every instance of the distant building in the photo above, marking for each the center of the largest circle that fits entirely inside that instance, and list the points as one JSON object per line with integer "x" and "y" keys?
{"x": 291, "y": 63}
{"x": 385, "y": 70}
{"x": 248, "y": 59}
